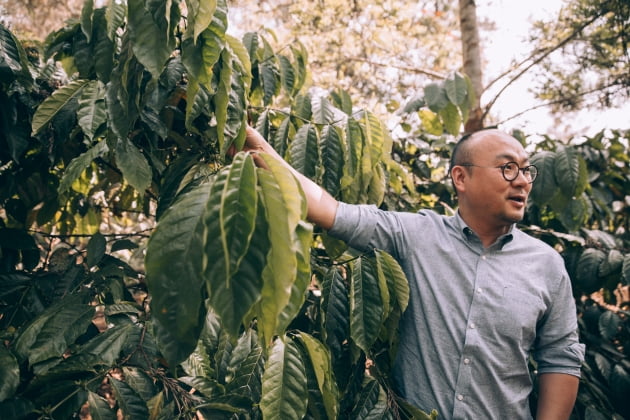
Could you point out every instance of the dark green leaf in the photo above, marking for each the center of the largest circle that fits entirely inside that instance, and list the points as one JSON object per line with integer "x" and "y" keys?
{"x": 231, "y": 220}
{"x": 10, "y": 374}
{"x": 173, "y": 265}
{"x": 587, "y": 278}
{"x": 99, "y": 407}
{"x": 50, "y": 334}
{"x": 55, "y": 103}
{"x": 610, "y": 325}
{"x": 435, "y": 97}
{"x": 285, "y": 393}
{"x": 456, "y": 89}
{"x": 151, "y": 33}
{"x": 570, "y": 171}
{"x": 366, "y": 308}
{"x": 78, "y": 165}
{"x": 131, "y": 404}
{"x": 13, "y": 58}
{"x": 372, "y": 401}
{"x": 335, "y": 310}
{"x": 322, "y": 110}
{"x": 96, "y": 249}
{"x": 92, "y": 111}
{"x": 303, "y": 151}
{"x": 133, "y": 165}
{"x": 545, "y": 186}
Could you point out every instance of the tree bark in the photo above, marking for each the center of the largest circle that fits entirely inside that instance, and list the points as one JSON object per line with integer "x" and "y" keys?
{"x": 472, "y": 59}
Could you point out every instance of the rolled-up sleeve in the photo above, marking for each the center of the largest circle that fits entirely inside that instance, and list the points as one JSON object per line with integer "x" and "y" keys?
{"x": 557, "y": 348}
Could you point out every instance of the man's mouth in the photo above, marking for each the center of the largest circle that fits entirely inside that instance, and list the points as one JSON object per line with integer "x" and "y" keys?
{"x": 517, "y": 198}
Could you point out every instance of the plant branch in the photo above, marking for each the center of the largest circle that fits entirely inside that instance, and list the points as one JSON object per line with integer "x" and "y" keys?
{"x": 409, "y": 69}
{"x": 534, "y": 61}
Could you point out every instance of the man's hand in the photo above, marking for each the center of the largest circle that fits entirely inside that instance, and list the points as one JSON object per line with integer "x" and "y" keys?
{"x": 322, "y": 207}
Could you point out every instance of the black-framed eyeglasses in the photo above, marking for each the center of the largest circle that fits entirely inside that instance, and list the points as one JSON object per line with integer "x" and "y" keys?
{"x": 510, "y": 170}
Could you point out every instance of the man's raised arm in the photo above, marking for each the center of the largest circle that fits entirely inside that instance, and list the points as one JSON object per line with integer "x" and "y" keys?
{"x": 322, "y": 207}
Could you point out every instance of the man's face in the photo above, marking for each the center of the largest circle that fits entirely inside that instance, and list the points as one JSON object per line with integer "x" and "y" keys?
{"x": 490, "y": 198}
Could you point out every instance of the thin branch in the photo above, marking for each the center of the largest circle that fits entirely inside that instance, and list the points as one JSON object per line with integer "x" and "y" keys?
{"x": 557, "y": 101}
{"x": 536, "y": 61}
{"x": 429, "y": 73}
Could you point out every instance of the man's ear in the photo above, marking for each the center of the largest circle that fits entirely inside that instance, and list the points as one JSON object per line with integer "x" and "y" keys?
{"x": 458, "y": 175}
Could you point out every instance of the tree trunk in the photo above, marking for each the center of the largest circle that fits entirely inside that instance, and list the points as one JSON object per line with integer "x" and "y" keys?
{"x": 472, "y": 59}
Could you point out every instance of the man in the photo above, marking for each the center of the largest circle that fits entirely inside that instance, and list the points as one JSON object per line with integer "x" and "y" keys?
{"x": 484, "y": 296}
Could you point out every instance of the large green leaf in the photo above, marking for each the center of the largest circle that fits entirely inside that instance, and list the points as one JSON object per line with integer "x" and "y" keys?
{"x": 574, "y": 213}
{"x": 451, "y": 119}
{"x": 545, "y": 186}
{"x": 456, "y": 89}
{"x": 372, "y": 402}
{"x": 200, "y": 57}
{"x": 173, "y": 266}
{"x": 151, "y": 32}
{"x": 284, "y": 386}
{"x": 87, "y": 16}
{"x": 587, "y": 278}
{"x": 229, "y": 104}
{"x": 351, "y": 186}
{"x": 323, "y": 111}
{"x": 287, "y": 73}
{"x": 270, "y": 76}
{"x": 200, "y": 14}
{"x": 335, "y": 309}
{"x": 10, "y": 374}
{"x": 435, "y": 97}
{"x": 331, "y": 150}
{"x": 104, "y": 49}
{"x": 133, "y": 165}
{"x": 99, "y": 407}
{"x": 320, "y": 360}
{"x": 92, "y": 111}
{"x": 299, "y": 288}
{"x": 570, "y": 171}
{"x": 55, "y": 103}
{"x": 247, "y": 379}
{"x": 115, "y": 16}
{"x": 78, "y": 165}
{"x": 303, "y": 151}
{"x": 13, "y": 58}
{"x": 106, "y": 347}
{"x": 280, "y": 140}
{"x": 131, "y": 404}
{"x": 235, "y": 242}
{"x": 51, "y": 333}
{"x": 396, "y": 280}
{"x": 285, "y": 207}
{"x": 366, "y": 308}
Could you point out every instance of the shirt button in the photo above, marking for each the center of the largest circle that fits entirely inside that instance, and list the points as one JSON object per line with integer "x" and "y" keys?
{"x": 466, "y": 361}
{"x": 479, "y": 290}
{"x": 483, "y": 257}
{"x": 472, "y": 325}
{"x": 460, "y": 397}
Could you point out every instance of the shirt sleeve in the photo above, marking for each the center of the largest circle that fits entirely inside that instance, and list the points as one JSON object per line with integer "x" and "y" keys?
{"x": 365, "y": 227}
{"x": 557, "y": 348}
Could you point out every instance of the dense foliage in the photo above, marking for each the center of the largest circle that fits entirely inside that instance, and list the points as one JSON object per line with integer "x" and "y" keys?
{"x": 145, "y": 271}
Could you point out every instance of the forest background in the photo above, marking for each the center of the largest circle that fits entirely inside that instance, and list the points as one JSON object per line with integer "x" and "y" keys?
{"x": 145, "y": 274}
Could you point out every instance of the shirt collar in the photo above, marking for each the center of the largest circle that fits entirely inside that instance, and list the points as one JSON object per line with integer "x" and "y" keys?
{"x": 469, "y": 235}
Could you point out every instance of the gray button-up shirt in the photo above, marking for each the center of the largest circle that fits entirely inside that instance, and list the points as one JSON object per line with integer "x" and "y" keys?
{"x": 475, "y": 314}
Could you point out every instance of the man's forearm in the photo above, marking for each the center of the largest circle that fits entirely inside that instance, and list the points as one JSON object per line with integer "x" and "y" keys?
{"x": 556, "y": 396}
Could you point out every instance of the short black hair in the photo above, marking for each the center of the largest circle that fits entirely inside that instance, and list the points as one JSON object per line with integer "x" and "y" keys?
{"x": 460, "y": 153}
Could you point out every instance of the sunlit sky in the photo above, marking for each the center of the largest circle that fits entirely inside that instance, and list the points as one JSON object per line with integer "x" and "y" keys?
{"x": 513, "y": 20}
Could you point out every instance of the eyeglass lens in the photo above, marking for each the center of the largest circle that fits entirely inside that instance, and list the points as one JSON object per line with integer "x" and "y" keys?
{"x": 511, "y": 169}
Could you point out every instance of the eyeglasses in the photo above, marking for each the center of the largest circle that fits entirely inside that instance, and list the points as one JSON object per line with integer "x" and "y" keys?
{"x": 510, "y": 171}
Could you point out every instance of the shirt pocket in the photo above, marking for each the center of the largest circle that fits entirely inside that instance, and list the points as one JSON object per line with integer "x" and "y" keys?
{"x": 519, "y": 318}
